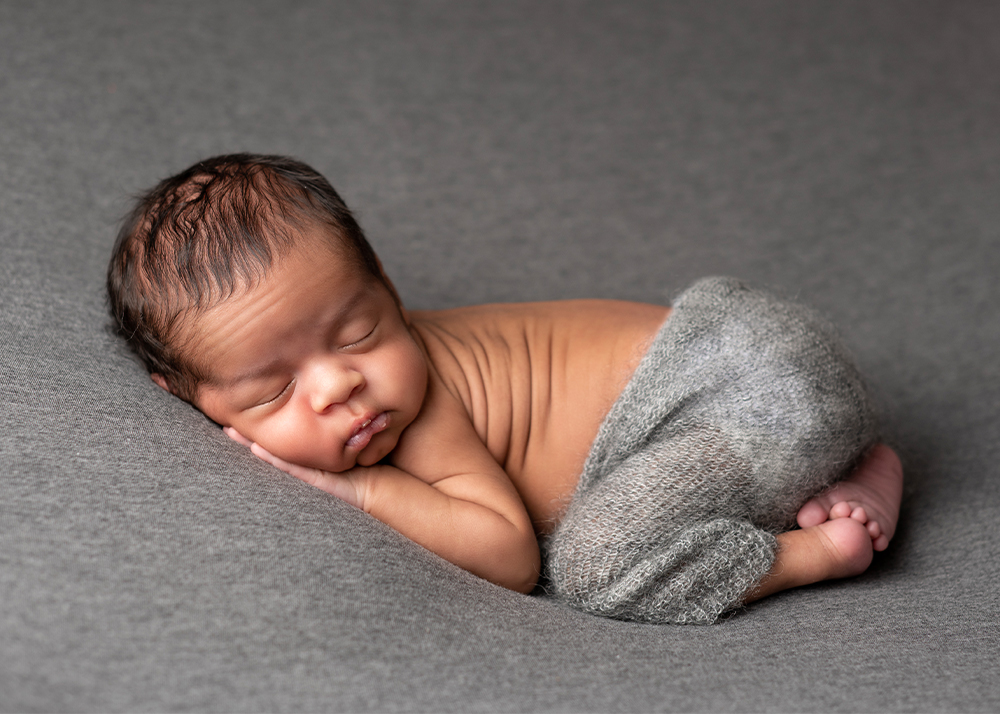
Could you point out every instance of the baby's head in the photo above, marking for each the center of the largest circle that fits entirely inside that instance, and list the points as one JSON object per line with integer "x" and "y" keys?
{"x": 247, "y": 288}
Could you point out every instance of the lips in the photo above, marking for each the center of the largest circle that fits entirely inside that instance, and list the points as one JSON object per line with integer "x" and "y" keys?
{"x": 364, "y": 431}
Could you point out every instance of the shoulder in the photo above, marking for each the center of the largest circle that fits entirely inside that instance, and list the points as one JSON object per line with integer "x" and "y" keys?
{"x": 502, "y": 320}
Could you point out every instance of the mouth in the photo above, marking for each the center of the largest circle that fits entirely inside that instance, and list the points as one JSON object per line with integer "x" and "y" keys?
{"x": 368, "y": 428}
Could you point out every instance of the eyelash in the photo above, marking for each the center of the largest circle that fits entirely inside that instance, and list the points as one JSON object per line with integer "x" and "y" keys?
{"x": 370, "y": 333}
{"x": 277, "y": 396}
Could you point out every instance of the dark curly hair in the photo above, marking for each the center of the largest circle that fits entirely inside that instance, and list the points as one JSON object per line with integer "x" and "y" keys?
{"x": 196, "y": 237}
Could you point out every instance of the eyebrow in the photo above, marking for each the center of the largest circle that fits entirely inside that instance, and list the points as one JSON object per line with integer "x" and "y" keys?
{"x": 271, "y": 366}
{"x": 250, "y": 375}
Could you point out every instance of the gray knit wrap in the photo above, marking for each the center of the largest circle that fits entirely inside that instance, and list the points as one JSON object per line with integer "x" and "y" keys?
{"x": 743, "y": 408}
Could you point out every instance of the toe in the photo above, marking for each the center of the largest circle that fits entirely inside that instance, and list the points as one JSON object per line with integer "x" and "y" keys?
{"x": 874, "y": 529}
{"x": 841, "y": 510}
{"x": 812, "y": 514}
{"x": 880, "y": 543}
{"x": 860, "y": 514}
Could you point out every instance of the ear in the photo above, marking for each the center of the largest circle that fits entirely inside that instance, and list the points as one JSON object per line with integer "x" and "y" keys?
{"x": 162, "y": 382}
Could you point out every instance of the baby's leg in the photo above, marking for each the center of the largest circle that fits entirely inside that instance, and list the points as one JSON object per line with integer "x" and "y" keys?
{"x": 840, "y": 528}
{"x": 663, "y": 536}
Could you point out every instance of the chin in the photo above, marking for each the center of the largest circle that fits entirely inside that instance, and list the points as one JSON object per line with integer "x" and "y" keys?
{"x": 376, "y": 452}
{"x": 372, "y": 458}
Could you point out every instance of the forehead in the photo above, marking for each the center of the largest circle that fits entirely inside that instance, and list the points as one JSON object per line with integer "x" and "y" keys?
{"x": 309, "y": 284}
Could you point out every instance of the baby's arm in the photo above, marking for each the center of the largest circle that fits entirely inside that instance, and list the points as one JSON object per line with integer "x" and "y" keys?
{"x": 444, "y": 491}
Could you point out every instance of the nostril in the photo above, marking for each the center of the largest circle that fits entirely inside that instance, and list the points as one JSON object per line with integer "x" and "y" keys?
{"x": 322, "y": 406}
{"x": 331, "y": 382}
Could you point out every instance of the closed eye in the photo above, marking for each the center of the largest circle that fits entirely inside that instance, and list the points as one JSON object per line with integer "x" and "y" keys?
{"x": 358, "y": 342}
{"x": 279, "y": 395}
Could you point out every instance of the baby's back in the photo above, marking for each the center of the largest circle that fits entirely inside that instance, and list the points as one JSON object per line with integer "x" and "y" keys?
{"x": 537, "y": 380}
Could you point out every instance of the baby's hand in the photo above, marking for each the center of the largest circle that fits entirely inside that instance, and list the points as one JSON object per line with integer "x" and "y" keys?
{"x": 344, "y": 486}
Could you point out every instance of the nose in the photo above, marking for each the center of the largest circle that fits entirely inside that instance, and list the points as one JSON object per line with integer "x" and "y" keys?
{"x": 332, "y": 383}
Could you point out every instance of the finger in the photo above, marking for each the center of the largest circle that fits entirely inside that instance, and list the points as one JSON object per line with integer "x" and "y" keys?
{"x": 276, "y": 461}
{"x": 337, "y": 485}
{"x": 236, "y": 436}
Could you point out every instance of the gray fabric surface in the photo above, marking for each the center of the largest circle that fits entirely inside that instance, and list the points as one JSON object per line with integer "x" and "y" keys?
{"x": 744, "y": 407}
{"x": 847, "y": 153}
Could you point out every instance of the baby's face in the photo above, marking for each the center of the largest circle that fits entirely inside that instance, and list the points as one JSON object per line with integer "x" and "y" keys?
{"x": 316, "y": 363}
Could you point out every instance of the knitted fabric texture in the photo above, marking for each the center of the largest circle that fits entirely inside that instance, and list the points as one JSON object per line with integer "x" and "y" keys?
{"x": 743, "y": 408}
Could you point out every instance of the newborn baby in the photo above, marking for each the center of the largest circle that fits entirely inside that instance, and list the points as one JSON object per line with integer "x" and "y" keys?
{"x": 660, "y": 456}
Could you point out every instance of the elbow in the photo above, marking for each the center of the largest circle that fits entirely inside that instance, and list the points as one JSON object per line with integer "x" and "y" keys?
{"x": 520, "y": 583}
{"x": 525, "y": 576}
{"x": 525, "y": 585}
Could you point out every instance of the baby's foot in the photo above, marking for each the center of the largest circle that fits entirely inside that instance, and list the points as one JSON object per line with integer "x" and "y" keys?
{"x": 870, "y": 496}
{"x": 838, "y": 548}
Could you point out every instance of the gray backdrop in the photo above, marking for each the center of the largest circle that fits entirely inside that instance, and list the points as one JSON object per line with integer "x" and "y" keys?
{"x": 845, "y": 152}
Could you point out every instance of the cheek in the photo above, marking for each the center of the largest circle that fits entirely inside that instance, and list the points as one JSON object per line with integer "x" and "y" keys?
{"x": 286, "y": 437}
{"x": 408, "y": 372}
